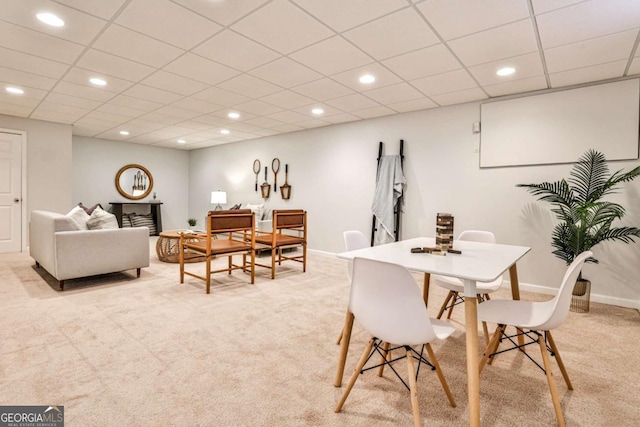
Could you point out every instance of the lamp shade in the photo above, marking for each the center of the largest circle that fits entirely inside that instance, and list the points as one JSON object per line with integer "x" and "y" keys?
{"x": 219, "y": 197}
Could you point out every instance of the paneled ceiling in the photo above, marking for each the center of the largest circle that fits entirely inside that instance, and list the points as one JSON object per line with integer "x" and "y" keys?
{"x": 175, "y": 68}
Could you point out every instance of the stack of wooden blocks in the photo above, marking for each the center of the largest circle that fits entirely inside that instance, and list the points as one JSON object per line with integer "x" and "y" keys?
{"x": 444, "y": 232}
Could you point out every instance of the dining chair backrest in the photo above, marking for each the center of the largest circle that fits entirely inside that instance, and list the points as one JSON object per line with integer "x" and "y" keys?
{"x": 477, "y": 236}
{"x": 386, "y": 301}
{"x": 353, "y": 240}
{"x": 559, "y": 306}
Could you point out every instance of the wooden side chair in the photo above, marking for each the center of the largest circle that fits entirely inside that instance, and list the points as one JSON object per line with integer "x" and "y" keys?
{"x": 229, "y": 233}
{"x": 289, "y": 231}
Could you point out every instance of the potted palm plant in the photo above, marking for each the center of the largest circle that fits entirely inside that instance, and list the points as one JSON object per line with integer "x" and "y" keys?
{"x": 585, "y": 219}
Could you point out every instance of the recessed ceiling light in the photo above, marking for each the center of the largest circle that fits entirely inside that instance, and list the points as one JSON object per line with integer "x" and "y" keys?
{"x": 14, "y": 90}
{"x": 98, "y": 81}
{"x": 181, "y": 141}
{"x": 233, "y": 115}
{"x": 317, "y": 111}
{"x": 124, "y": 132}
{"x": 225, "y": 131}
{"x": 505, "y": 71}
{"x": 50, "y": 19}
{"x": 367, "y": 79}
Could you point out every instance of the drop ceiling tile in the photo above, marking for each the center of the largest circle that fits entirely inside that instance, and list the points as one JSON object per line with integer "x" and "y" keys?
{"x": 81, "y": 91}
{"x": 282, "y": 27}
{"x": 526, "y": 66}
{"x": 258, "y": 107}
{"x": 58, "y": 113}
{"x": 81, "y": 77}
{"x": 413, "y": 105}
{"x": 129, "y": 112}
{"x": 16, "y": 109}
{"x": 312, "y": 123}
{"x": 243, "y": 127}
{"x": 114, "y": 134}
{"x": 30, "y": 94}
{"x": 236, "y": 51}
{"x": 152, "y": 94}
{"x": 166, "y": 119}
{"x": 95, "y": 124}
{"x": 288, "y": 116}
{"x": 79, "y": 27}
{"x": 370, "y": 113}
{"x": 287, "y": 128}
{"x": 587, "y": 20}
{"x": 424, "y": 62}
{"x": 286, "y": 73}
{"x": 32, "y": 64}
{"x": 392, "y": 35}
{"x": 332, "y": 56}
{"x": 267, "y": 132}
{"x": 263, "y": 122}
{"x": 223, "y": 12}
{"x": 516, "y": 86}
{"x": 168, "y": 24}
{"x": 140, "y": 126}
{"x": 112, "y": 118}
{"x": 223, "y": 113}
{"x": 342, "y": 15}
{"x": 443, "y": 83}
{"x": 542, "y": 6}
{"x": 591, "y": 52}
{"x": 250, "y": 86}
{"x": 393, "y": 93}
{"x": 323, "y": 89}
{"x": 201, "y": 69}
{"x": 457, "y": 18}
{"x": 328, "y": 111}
{"x": 38, "y": 44}
{"x": 609, "y": 70}
{"x": 459, "y": 97}
{"x": 148, "y": 138}
{"x": 137, "y": 103}
{"x": 383, "y": 77}
{"x": 211, "y": 120}
{"x": 341, "y": 118}
{"x": 174, "y": 112}
{"x": 112, "y": 65}
{"x": 220, "y": 96}
{"x": 190, "y": 124}
{"x": 73, "y": 101}
{"x": 197, "y": 105}
{"x": 24, "y": 78}
{"x": 174, "y": 83}
{"x": 83, "y": 131}
{"x": 287, "y": 99}
{"x": 497, "y": 43}
{"x": 353, "y": 102}
{"x": 137, "y": 47}
{"x": 99, "y": 8}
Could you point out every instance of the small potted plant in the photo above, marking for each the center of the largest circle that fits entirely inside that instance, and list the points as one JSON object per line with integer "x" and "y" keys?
{"x": 585, "y": 219}
{"x": 192, "y": 223}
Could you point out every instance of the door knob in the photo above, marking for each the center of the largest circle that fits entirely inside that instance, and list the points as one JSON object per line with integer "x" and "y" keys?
{"x": 16, "y": 200}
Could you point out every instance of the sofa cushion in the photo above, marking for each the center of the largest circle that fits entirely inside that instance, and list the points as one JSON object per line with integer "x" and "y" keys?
{"x": 101, "y": 220}
{"x": 79, "y": 218}
{"x": 258, "y": 210}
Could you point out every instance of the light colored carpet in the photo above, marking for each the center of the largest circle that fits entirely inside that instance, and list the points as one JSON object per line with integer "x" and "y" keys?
{"x": 120, "y": 351}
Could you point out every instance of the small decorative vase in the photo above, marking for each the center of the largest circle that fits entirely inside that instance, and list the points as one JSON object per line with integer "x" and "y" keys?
{"x": 580, "y": 296}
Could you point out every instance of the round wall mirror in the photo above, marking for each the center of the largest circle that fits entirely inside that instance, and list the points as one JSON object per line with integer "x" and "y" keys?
{"x": 134, "y": 182}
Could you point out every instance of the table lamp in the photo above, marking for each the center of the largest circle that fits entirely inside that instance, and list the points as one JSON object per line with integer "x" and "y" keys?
{"x": 219, "y": 197}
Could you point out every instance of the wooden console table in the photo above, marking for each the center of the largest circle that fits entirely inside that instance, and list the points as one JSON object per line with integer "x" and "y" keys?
{"x": 155, "y": 212}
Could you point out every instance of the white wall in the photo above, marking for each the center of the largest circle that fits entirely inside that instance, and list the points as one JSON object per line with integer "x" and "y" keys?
{"x": 49, "y": 165}
{"x": 97, "y": 161}
{"x": 332, "y": 174}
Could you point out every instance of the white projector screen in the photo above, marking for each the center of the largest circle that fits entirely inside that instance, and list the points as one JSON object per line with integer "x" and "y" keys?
{"x": 559, "y": 127}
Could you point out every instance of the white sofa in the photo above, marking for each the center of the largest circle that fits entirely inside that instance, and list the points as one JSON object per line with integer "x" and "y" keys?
{"x": 65, "y": 252}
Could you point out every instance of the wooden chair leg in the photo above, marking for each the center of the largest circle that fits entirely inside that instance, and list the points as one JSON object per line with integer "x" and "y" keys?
{"x": 181, "y": 251}
{"x": 453, "y": 303}
{"x": 138, "y": 270}
{"x": 356, "y": 373}
{"x": 413, "y": 388}
{"x": 492, "y": 347}
{"x": 552, "y": 385}
{"x": 304, "y": 258}
{"x": 253, "y": 267}
{"x": 385, "y": 352}
{"x": 443, "y": 381}
{"x": 486, "y": 333}
{"x": 208, "y": 275}
{"x": 556, "y": 353}
{"x": 273, "y": 263}
{"x": 444, "y": 305}
{"x": 230, "y": 263}
{"x": 339, "y": 340}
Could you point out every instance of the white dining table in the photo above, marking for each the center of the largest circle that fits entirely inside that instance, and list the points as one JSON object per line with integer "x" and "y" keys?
{"x": 478, "y": 262}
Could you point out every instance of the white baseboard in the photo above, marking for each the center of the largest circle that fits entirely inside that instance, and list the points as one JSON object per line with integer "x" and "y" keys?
{"x": 604, "y": 299}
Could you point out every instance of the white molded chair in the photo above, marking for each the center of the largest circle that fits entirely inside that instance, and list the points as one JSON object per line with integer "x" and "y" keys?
{"x": 387, "y": 303}
{"x": 535, "y": 321}
{"x": 456, "y": 287}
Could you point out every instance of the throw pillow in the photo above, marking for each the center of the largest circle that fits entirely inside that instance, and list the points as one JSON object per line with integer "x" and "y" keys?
{"x": 126, "y": 221}
{"x": 101, "y": 220}
{"x": 144, "y": 221}
{"x": 90, "y": 210}
{"x": 256, "y": 209}
{"x": 79, "y": 218}
{"x": 235, "y": 207}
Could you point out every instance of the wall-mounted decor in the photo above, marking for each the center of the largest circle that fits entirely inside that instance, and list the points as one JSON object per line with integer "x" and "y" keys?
{"x": 134, "y": 182}
{"x": 285, "y": 190}
{"x": 256, "y": 170}
{"x": 265, "y": 188}
{"x": 275, "y": 167}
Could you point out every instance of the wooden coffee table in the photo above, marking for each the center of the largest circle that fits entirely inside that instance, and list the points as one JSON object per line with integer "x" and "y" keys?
{"x": 168, "y": 247}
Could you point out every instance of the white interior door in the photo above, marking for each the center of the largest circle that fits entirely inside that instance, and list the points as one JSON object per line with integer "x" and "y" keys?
{"x": 10, "y": 192}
